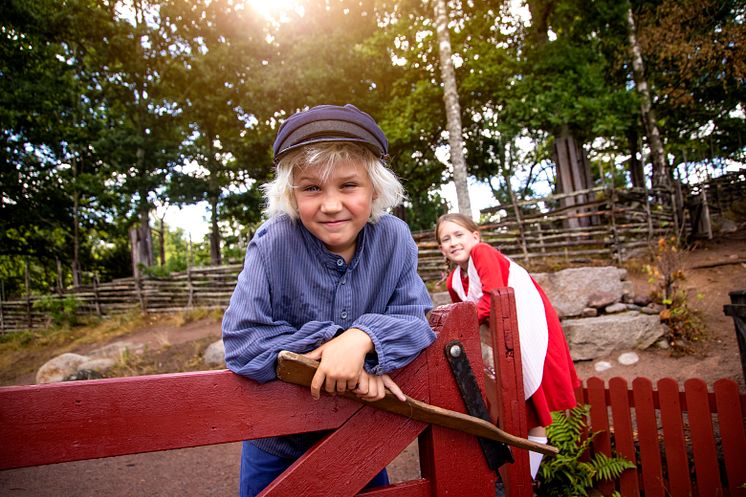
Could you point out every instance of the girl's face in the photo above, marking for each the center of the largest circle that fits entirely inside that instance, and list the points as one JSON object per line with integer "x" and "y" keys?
{"x": 456, "y": 242}
{"x": 335, "y": 208}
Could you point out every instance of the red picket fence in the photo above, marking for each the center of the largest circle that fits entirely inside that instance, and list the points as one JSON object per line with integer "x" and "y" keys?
{"x": 684, "y": 443}
{"x": 688, "y": 442}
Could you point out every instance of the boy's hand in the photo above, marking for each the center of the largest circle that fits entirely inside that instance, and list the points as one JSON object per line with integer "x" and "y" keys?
{"x": 340, "y": 362}
{"x": 372, "y": 388}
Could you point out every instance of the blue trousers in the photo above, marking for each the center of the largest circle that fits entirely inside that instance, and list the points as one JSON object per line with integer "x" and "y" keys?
{"x": 260, "y": 468}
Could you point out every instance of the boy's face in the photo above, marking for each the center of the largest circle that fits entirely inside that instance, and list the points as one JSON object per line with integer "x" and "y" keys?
{"x": 456, "y": 242}
{"x": 335, "y": 209}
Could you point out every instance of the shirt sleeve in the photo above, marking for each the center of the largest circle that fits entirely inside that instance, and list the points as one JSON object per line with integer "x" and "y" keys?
{"x": 402, "y": 331}
{"x": 251, "y": 337}
{"x": 487, "y": 263}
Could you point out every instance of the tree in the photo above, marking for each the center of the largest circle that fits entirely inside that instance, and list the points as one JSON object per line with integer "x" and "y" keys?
{"x": 453, "y": 110}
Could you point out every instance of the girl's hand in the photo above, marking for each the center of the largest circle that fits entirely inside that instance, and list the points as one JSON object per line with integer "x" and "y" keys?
{"x": 340, "y": 362}
{"x": 372, "y": 388}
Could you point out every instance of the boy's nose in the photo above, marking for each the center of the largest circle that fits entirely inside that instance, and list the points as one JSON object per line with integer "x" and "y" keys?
{"x": 331, "y": 203}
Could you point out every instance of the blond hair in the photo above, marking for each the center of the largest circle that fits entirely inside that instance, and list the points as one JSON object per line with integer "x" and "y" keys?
{"x": 279, "y": 192}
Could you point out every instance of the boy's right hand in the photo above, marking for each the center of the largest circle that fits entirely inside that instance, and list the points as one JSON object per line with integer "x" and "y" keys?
{"x": 340, "y": 362}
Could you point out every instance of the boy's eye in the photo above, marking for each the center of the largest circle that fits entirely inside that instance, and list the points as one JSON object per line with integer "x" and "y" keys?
{"x": 310, "y": 188}
{"x": 349, "y": 185}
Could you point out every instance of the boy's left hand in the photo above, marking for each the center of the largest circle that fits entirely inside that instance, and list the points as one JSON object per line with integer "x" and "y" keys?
{"x": 340, "y": 362}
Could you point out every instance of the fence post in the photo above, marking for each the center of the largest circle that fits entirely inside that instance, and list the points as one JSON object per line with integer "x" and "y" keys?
{"x": 96, "y": 296}
{"x": 139, "y": 290}
{"x": 27, "y": 277}
{"x": 614, "y": 233}
{"x": 737, "y": 310}
{"x": 190, "y": 286}
{"x": 2, "y": 312}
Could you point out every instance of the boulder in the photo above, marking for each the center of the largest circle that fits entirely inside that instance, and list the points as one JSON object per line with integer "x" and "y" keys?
{"x": 116, "y": 349}
{"x": 100, "y": 366}
{"x": 591, "y": 338}
{"x": 59, "y": 368}
{"x": 570, "y": 290}
{"x": 215, "y": 354}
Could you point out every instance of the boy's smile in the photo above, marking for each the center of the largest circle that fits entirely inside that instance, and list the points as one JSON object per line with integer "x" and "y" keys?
{"x": 334, "y": 207}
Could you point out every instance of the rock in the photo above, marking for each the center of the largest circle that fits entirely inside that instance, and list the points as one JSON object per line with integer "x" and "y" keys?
{"x": 602, "y": 299}
{"x": 642, "y": 300}
{"x": 215, "y": 354}
{"x": 570, "y": 290}
{"x": 652, "y": 309}
{"x": 441, "y": 298}
{"x": 633, "y": 307}
{"x": 591, "y": 338}
{"x": 59, "y": 368}
{"x": 628, "y": 358}
{"x": 116, "y": 349}
{"x": 589, "y": 312}
{"x": 602, "y": 366}
{"x": 100, "y": 366}
{"x": 663, "y": 344}
{"x": 84, "y": 374}
{"x": 628, "y": 292}
{"x": 615, "y": 308}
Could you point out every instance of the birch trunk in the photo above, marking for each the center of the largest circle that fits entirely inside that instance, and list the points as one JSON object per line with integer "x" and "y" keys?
{"x": 661, "y": 173}
{"x": 453, "y": 109}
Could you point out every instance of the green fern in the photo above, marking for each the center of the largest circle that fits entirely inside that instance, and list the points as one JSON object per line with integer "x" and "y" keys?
{"x": 566, "y": 475}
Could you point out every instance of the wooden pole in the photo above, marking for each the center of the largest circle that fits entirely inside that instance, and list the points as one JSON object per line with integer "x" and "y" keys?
{"x": 2, "y": 312}
{"x": 29, "y": 318}
{"x": 96, "y": 295}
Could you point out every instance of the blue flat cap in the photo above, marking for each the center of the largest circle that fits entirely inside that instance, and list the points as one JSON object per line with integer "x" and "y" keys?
{"x": 330, "y": 123}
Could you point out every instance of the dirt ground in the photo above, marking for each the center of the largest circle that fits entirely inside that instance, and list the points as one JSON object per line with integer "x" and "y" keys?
{"x": 213, "y": 470}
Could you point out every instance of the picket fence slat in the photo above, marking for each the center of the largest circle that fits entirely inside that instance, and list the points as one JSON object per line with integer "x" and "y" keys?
{"x": 647, "y": 428}
{"x": 677, "y": 461}
{"x": 600, "y": 422}
{"x": 703, "y": 439}
{"x": 731, "y": 418}
{"x": 623, "y": 435}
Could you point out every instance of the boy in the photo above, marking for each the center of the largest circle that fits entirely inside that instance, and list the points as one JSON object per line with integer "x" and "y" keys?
{"x": 330, "y": 274}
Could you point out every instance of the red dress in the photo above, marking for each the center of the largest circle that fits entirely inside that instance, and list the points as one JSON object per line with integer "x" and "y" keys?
{"x": 549, "y": 376}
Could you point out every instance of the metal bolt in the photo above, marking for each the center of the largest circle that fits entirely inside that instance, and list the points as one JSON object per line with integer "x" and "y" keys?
{"x": 455, "y": 351}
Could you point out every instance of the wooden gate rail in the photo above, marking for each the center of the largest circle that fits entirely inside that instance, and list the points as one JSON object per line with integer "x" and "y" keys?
{"x": 71, "y": 421}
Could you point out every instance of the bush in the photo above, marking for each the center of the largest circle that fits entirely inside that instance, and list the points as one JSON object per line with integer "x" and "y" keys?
{"x": 570, "y": 473}
{"x": 62, "y": 311}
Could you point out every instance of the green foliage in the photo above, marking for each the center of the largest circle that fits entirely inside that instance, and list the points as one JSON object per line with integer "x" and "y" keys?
{"x": 571, "y": 473}
{"x": 62, "y": 310}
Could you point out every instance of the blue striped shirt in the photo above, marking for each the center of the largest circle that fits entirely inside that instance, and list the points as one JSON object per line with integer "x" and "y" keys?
{"x": 293, "y": 294}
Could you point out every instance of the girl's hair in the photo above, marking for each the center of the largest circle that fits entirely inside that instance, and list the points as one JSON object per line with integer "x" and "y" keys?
{"x": 279, "y": 192}
{"x": 458, "y": 218}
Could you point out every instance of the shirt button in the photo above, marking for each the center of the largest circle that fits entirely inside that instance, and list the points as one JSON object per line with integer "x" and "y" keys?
{"x": 340, "y": 262}
{"x": 344, "y": 314}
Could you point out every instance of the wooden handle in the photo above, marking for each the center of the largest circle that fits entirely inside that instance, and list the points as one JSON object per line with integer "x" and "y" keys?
{"x": 299, "y": 370}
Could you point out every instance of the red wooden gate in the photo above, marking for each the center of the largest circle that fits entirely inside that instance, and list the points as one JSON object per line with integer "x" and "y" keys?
{"x": 70, "y": 421}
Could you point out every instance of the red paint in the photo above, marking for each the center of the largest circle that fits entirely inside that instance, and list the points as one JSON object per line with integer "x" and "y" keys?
{"x": 600, "y": 422}
{"x": 703, "y": 440}
{"x": 650, "y": 455}
{"x": 730, "y": 417}
{"x": 677, "y": 461}
{"x": 510, "y": 396}
{"x": 623, "y": 435}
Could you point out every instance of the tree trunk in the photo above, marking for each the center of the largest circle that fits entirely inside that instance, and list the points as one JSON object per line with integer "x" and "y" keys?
{"x": 76, "y": 227}
{"x": 573, "y": 174}
{"x": 636, "y": 171}
{"x": 162, "y": 242}
{"x": 453, "y": 109}
{"x": 215, "y": 256}
{"x": 661, "y": 173}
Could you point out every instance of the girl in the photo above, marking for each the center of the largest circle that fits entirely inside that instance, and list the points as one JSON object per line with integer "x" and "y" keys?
{"x": 548, "y": 372}
{"x": 330, "y": 274}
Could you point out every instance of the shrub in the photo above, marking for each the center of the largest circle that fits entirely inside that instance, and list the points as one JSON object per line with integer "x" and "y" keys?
{"x": 570, "y": 473}
{"x": 62, "y": 311}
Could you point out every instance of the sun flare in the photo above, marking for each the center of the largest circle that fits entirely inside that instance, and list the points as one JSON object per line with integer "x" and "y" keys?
{"x": 275, "y": 10}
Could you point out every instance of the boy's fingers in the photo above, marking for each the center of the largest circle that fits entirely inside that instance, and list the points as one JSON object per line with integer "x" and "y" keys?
{"x": 316, "y": 382}
{"x": 394, "y": 388}
{"x": 315, "y": 354}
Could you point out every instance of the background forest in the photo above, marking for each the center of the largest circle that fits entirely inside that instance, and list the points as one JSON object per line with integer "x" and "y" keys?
{"x": 111, "y": 111}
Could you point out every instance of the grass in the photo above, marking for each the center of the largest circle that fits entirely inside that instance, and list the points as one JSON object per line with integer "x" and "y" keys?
{"x": 22, "y": 353}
